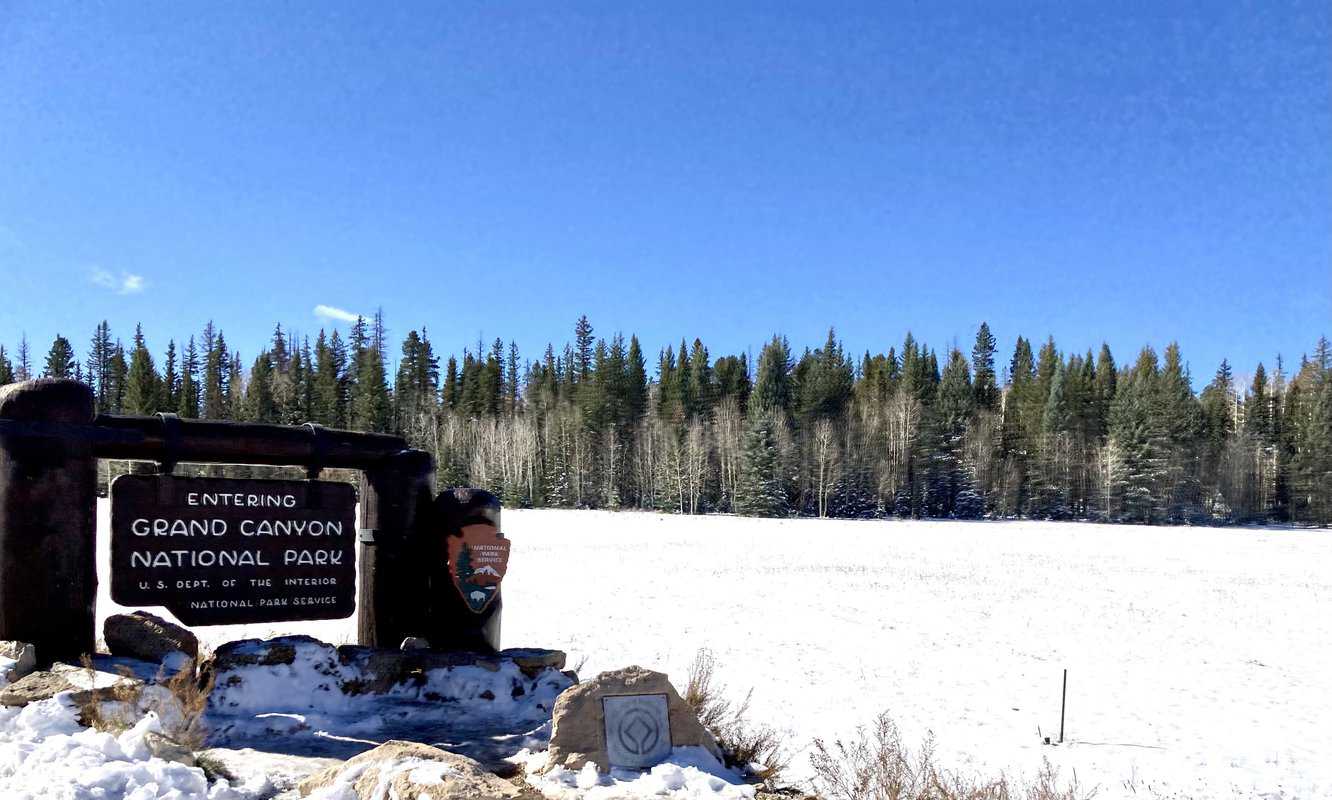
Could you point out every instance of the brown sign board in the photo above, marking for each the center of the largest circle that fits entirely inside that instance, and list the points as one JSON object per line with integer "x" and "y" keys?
{"x": 221, "y": 551}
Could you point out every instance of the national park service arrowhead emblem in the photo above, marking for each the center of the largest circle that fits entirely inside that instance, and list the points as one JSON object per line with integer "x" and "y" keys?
{"x": 477, "y": 561}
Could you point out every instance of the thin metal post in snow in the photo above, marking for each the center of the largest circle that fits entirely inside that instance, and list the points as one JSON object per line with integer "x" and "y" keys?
{"x": 1063, "y": 701}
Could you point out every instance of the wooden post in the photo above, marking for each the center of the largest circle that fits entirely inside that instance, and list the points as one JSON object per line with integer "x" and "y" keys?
{"x": 1063, "y": 702}
{"x": 396, "y": 502}
{"x": 48, "y": 522}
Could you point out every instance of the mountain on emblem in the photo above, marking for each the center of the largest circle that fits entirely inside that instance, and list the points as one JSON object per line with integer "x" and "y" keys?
{"x": 478, "y": 559}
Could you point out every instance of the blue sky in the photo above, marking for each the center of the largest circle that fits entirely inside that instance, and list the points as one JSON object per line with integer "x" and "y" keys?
{"x": 1133, "y": 172}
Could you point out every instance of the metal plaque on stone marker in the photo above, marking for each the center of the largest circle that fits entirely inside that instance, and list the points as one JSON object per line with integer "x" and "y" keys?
{"x": 638, "y": 730}
{"x": 218, "y": 551}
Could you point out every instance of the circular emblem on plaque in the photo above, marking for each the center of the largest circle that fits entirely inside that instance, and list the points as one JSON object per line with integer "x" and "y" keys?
{"x": 638, "y": 732}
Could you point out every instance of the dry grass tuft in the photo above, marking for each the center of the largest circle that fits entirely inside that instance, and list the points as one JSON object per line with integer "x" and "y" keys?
{"x": 878, "y": 766}
{"x": 189, "y": 702}
{"x": 111, "y": 708}
{"x": 759, "y": 749}
{"x": 180, "y": 702}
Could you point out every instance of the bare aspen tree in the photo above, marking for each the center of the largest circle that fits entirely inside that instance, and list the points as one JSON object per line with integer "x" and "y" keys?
{"x": 826, "y": 457}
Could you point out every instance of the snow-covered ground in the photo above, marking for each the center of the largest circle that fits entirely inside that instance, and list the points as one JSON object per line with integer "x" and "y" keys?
{"x": 1197, "y": 658}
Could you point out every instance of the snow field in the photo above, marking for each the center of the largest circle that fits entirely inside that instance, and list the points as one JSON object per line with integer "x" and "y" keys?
{"x": 1197, "y": 657}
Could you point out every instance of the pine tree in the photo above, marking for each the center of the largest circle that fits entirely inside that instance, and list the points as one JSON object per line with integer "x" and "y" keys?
{"x": 772, "y": 383}
{"x": 187, "y": 404}
{"x": 416, "y": 386}
{"x": 216, "y": 374}
{"x": 371, "y": 406}
{"x": 583, "y": 354}
{"x": 984, "y": 384}
{"x": 636, "y": 388}
{"x": 307, "y": 381}
{"x": 702, "y": 392}
{"x": 823, "y": 380}
{"x": 279, "y": 354}
{"x": 667, "y": 395}
{"x": 170, "y": 399}
{"x": 99, "y": 359}
{"x": 1018, "y": 428}
{"x": 451, "y": 389}
{"x": 1104, "y": 390}
{"x": 297, "y": 408}
{"x": 1140, "y": 440}
{"x": 143, "y": 386}
{"x": 327, "y": 383}
{"x": 343, "y": 379}
{"x": 6, "y": 367}
{"x": 1050, "y": 497}
{"x": 1257, "y": 406}
{"x": 117, "y": 378}
{"x": 1179, "y": 418}
{"x": 235, "y": 399}
{"x": 24, "y": 359}
{"x": 760, "y": 492}
{"x": 949, "y": 485}
{"x": 510, "y": 378}
{"x": 259, "y": 404}
{"x": 60, "y": 361}
{"x": 379, "y": 336}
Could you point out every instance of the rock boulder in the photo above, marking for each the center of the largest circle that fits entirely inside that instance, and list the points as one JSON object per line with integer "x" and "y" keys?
{"x": 147, "y": 637}
{"x": 410, "y": 771}
{"x": 579, "y": 732}
{"x": 24, "y": 657}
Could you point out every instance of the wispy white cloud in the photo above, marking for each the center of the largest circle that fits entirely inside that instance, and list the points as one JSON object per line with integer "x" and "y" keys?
{"x": 333, "y": 313}
{"x": 125, "y": 283}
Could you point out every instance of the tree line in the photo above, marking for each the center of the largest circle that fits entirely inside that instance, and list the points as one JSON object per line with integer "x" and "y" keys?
{"x": 907, "y": 433}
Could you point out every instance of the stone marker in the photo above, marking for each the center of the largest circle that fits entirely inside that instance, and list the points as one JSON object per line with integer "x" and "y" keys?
{"x": 24, "y": 656}
{"x": 412, "y": 771}
{"x": 147, "y": 637}
{"x": 579, "y": 732}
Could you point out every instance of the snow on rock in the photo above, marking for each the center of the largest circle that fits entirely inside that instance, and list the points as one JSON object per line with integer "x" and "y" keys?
{"x": 46, "y": 754}
{"x": 407, "y": 771}
{"x": 16, "y": 660}
{"x": 339, "y": 701}
{"x": 690, "y": 773}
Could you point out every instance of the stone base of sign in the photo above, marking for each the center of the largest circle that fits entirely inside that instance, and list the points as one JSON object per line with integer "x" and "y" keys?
{"x": 579, "y": 733}
{"x": 24, "y": 657}
{"x": 367, "y": 670}
{"x": 147, "y": 637}
{"x": 412, "y": 771}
